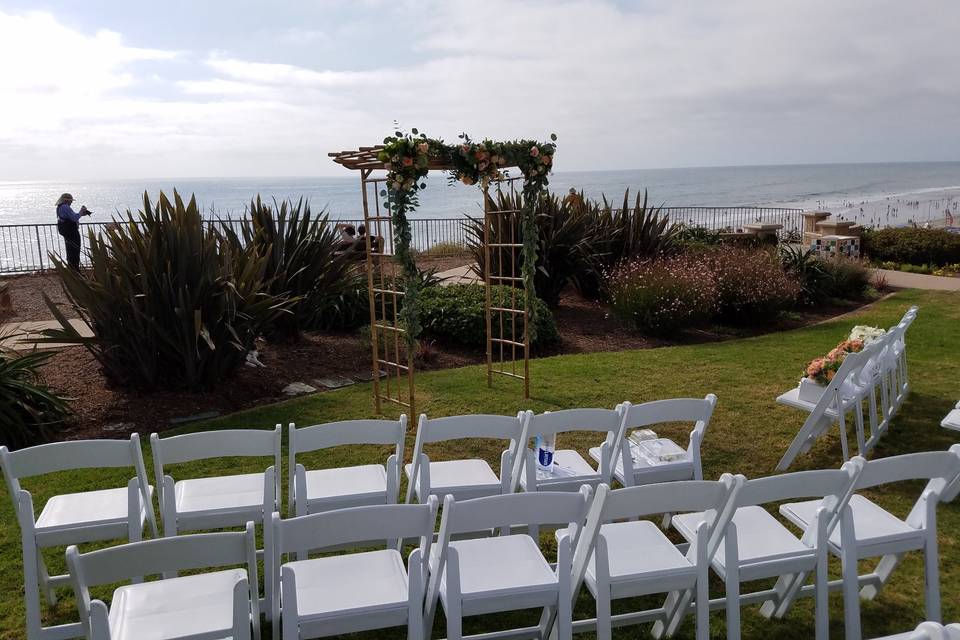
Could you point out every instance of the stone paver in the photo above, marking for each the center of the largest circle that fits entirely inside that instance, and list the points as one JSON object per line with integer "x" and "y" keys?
{"x": 904, "y": 280}
{"x": 20, "y": 336}
{"x": 459, "y": 275}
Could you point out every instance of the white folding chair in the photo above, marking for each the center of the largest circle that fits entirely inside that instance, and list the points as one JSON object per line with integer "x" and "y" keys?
{"x": 351, "y": 592}
{"x": 315, "y": 490}
{"x": 73, "y": 518}
{"x": 871, "y": 531}
{"x": 641, "y": 469}
{"x": 217, "y": 604}
{"x": 571, "y": 471}
{"x": 952, "y": 419}
{"x": 506, "y": 572}
{"x": 618, "y": 556}
{"x": 928, "y": 630}
{"x": 197, "y": 504}
{"x": 837, "y": 401}
{"x": 899, "y": 346}
{"x": 464, "y": 478}
{"x": 757, "y": 546}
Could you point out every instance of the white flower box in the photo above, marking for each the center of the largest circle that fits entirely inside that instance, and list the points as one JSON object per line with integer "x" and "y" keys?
{"x": 810, "y": 391}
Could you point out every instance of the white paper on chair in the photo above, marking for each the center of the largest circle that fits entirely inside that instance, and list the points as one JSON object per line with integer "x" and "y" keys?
{"x": 659, "y": 451}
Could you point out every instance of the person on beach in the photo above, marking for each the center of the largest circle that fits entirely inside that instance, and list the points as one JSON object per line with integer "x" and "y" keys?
{"x": 68, "y": 226}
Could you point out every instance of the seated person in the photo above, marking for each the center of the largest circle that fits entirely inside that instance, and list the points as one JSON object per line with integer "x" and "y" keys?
{"x": 347, "y": 236}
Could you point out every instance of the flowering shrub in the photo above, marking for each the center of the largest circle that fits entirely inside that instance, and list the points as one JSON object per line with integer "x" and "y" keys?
{"x": 822, "y": 370}
{"x": 752, "y": 284}
{"x": 663, "y": 295}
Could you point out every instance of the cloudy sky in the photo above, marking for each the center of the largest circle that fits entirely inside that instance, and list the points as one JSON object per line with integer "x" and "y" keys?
{"x": 180, "y": 88}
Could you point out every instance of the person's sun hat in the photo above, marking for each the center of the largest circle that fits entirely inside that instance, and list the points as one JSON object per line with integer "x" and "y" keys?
{"x": 65, "y": 198}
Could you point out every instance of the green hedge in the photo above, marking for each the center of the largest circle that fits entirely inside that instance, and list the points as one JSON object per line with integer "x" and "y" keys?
{"x": 914, "y": 246}
{"x": 455, "y": 314}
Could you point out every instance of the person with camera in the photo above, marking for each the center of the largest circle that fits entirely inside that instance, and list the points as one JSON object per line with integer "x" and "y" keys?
{"x": 68, "y": 226}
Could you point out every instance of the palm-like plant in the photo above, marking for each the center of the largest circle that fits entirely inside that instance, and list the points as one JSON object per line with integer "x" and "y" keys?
{"x": 171, "y": 304}
{"x": 302, "y": 262}
{"x": 28, "y": 409}
{"x": 629, "y": 232}
{"x": 564, "y": 242}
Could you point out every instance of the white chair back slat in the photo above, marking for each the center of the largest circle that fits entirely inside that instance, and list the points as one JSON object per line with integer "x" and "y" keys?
{"x": 797, "y": 485}
{"x": 331, "y": 529}
{"x": 515, "y": 509}
{"x": 334, "y": 434}
{"x": 670, "y": 410}
{"x": 223, "y": 443}
{"x": 65, "y": 456}
{"x": 569, "y": 420}
{"x": 162, "y": 555}
{"x": 668, "y": 497}
{"x": 469, "y": 426}
{"x": 925, "y": 465}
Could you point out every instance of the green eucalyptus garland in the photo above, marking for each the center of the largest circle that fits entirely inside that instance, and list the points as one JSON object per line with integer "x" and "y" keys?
{"x": 407, "y": 159}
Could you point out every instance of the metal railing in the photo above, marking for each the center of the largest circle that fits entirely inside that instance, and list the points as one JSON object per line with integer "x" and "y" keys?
{"x": 27, "y": 247}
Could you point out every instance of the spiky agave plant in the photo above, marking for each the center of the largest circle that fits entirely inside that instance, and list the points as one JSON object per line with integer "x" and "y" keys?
{"x": 629, "y": 232}
{"x": 303, "y": 263}
{"x": 28, "y": 408}
{"x": 564, "y": 242}
{"x": 171, "y": 303}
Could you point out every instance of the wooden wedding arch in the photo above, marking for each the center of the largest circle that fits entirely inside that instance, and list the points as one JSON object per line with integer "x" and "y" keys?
{"x": 385, "y": 183}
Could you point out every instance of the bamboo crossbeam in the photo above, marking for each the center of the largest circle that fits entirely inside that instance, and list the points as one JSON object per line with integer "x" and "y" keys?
{"x": 506, "y": 245}
{"x": 505, "y": 341}
{"x": 506, "y": 278}
{"x": 390, "y": 327}
{"x": 395, "y": 365}
{"x": 506, "y": 310}
{"x": 508, "y": 374}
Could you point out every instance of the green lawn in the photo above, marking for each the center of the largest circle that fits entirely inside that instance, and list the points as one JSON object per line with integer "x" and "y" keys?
{"x": 748, "y": 434}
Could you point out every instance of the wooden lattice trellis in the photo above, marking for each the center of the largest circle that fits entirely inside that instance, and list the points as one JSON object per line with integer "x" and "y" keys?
{"x": 506, "y": 309}
{"x": 507, "y": 315}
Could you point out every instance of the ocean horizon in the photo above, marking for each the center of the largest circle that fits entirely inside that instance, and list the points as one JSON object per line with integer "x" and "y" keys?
{"x": 878, "y": 194}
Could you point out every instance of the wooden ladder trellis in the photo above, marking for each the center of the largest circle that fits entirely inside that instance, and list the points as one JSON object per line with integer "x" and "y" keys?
{"x": 393, "y": 362}
{"x": 507, "y": 306}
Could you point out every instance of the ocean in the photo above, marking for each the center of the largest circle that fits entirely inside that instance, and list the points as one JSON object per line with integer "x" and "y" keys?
{"x": 878, "y": 194}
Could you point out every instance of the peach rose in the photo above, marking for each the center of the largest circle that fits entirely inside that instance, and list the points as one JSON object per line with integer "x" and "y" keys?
{"x": 423, "y": 147}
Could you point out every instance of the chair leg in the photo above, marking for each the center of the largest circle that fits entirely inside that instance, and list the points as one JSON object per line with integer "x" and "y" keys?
{"x": 851, "y": 599}
{"x": 883, "y": 570}
{"x": 931, "y": 565}
{"x": 31, "y": 589}
{"x": 703, "y": 606}
{"x": 48, "y": 589}
{"x": 731, "y": 581}
{"x": 564, "y": 621}
{"x": 454, "y": 620}
{"x": 861, "y": 437}
{"x": 604, "y": 623}
{"x": 822, "y": 594}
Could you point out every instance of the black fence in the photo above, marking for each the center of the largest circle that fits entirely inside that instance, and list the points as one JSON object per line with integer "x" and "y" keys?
{"x": 27, "y": 247}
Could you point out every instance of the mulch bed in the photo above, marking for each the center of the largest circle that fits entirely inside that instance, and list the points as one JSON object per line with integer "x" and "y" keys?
{"x": 102, "y": 410}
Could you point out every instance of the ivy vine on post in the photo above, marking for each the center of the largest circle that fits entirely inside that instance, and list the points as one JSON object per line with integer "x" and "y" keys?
{"x": 406, "y": 159}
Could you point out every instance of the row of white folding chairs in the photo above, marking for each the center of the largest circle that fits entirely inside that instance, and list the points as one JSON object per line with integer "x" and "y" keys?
{"x": 876, "y": 376}
{"x": 109, "y": 514}
{"x": 600, "y": 544}
{"x": 196, "y": 504}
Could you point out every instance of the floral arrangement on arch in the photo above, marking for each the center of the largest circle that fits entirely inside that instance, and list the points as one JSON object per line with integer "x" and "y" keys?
{"x": 481, "y": 162}
{"x": 822, "y": 370}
